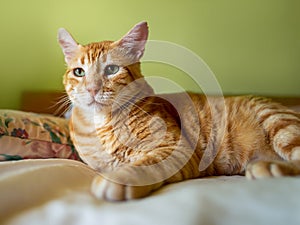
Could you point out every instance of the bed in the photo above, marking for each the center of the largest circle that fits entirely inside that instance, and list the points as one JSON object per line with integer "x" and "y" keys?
{"x": 52, "y": 185}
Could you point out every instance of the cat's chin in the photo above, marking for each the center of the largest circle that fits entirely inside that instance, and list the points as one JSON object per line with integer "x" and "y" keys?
{"x": 97, "y": 106}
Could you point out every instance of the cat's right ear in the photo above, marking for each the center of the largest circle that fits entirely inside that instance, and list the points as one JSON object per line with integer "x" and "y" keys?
{"x": 133, "y": 43}
{"x": 69, "y": 46}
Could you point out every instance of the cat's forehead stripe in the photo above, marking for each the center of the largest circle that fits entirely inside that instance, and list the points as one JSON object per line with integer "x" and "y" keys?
{"x": 94, "y": 50}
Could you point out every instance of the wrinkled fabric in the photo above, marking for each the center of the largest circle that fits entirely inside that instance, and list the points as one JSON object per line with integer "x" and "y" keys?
{"x": 56, "y": 191}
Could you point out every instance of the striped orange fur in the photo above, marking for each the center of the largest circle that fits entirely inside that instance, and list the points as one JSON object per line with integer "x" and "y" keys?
{"x": 140, "y": 141}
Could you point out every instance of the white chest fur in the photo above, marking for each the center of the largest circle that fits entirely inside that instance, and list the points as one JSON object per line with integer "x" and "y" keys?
{"x": 84, "y": 132}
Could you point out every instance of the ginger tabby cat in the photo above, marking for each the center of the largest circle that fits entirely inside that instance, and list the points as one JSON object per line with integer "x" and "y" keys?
{"x": 139, "y": 141}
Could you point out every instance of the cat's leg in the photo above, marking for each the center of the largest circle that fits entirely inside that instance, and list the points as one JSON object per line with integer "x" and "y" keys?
{"x": 121, "y": 185}
{"x": 283, "y": 133}
{"x": 131, "y": 182}
{"x": 147, "y": 174}
{"x": 262, "y": 169}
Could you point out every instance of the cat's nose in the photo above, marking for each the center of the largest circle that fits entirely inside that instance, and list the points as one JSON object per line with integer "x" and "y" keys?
{"x": 93, "y": 91}
{"x": 93, "y": 86}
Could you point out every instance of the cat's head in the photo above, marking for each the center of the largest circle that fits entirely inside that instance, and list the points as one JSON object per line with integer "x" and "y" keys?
{"x": 97, "y": 72}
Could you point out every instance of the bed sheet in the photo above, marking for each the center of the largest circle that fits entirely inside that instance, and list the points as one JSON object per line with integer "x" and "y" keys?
{"x": 56, "y": 192}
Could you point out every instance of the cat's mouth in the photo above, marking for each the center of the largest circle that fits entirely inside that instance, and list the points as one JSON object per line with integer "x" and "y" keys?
{"x": 95, "y": 103}
{"x": 91, "y": 103}
{"x": 99, "y": 101}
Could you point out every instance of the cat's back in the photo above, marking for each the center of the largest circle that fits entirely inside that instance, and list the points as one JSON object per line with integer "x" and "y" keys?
{"x": 245, "y": 105}
{"x": 216, "y": 116}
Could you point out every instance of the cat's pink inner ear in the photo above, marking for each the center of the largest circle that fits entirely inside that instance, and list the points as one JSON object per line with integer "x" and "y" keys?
{"x": 135, "y": 40}
{"x": 68, "y": 44}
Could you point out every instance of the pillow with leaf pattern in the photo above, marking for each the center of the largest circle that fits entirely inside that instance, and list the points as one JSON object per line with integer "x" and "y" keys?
{"x": 25, "y": 135}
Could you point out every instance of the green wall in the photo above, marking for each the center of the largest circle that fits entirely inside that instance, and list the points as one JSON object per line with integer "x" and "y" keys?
{"x": 252, "y": 46}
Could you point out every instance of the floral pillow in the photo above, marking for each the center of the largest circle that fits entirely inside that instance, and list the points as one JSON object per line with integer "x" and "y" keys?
{"x": 26, "y": 135}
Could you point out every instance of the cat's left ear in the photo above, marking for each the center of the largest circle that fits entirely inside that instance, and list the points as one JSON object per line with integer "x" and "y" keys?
{"x": 69, "y": 46}
{"x": 133, "y": 43}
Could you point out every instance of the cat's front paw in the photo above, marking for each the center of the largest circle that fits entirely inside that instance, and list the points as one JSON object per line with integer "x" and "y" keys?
{"x": 263, "y": 169}
{"x": 108, "y": 189}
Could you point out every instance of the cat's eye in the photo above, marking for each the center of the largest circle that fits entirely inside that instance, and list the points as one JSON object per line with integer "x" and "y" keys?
{"x": 111, "y": 69}
{"x": 79, "y": 72}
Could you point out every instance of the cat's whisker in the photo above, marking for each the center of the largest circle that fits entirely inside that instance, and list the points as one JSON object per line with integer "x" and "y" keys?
{"x": 133, "y": 105}
{"x": 142, "y": 100}
{"x": 59, "y": 101}
{"x": 62, "y": 103}
{"x": 63, "y": 113}
{"x": 63, "y": 108}
{"x": 132, "y": 102}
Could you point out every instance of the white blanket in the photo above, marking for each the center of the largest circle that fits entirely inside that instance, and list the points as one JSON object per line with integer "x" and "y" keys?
{"x": 56, "y": 192}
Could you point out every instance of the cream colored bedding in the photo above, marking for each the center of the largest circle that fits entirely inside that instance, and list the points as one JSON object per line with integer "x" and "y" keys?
{"x": 56, "y": 192}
